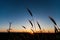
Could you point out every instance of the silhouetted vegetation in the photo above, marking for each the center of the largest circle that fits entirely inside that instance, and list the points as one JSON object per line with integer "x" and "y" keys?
{"x": 31, "y": 36}
{"x": 28, "y": 36}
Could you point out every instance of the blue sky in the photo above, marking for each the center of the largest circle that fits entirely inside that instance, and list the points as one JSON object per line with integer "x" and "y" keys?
{"x": 15, "y": 11}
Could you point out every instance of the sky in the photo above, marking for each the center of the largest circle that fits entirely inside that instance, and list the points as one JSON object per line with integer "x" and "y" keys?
{"x": 15, "y": 11}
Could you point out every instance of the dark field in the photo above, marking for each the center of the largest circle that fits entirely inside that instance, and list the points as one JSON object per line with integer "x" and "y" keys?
{"x": 28, "y": 36}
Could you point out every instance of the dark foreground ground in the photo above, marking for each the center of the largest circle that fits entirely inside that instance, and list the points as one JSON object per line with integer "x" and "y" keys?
{"x": 28, "y": 36}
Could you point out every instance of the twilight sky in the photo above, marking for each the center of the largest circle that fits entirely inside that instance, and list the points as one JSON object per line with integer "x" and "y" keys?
{"x": 15, "y": 11}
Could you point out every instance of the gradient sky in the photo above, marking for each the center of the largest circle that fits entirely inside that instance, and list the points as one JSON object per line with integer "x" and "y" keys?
{"x": 15, "y": 11}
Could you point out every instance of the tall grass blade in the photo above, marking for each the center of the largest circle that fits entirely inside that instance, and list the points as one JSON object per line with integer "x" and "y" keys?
{"x": 32, "y": 18}
{"x": 32, "y": 30}
{"x": 9, "y": 27}
{"x": 52, "y": 20}
{"x": 30, "y": 23}
{"x": 24, "y": 27}
{"x": 38, "y": 25}
{"x": 29, "y": 12}
{"x": 56, "y": 30}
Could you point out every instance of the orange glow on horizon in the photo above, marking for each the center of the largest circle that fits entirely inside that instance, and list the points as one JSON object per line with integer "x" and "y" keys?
{"x": 30, "y": 31}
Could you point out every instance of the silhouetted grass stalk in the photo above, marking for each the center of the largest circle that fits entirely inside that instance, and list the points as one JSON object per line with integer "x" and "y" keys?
{"x": 24, "y": 27}
{"x": 38, "y": 25}
{"x": 31, "y": 16}
{"x": 55, "y": 24}
{"x": 31, "y": 23}
{"x": 9, "y": 27}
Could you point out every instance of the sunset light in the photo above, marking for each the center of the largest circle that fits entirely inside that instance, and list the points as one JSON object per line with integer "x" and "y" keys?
{"x": 29, "y": 19}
